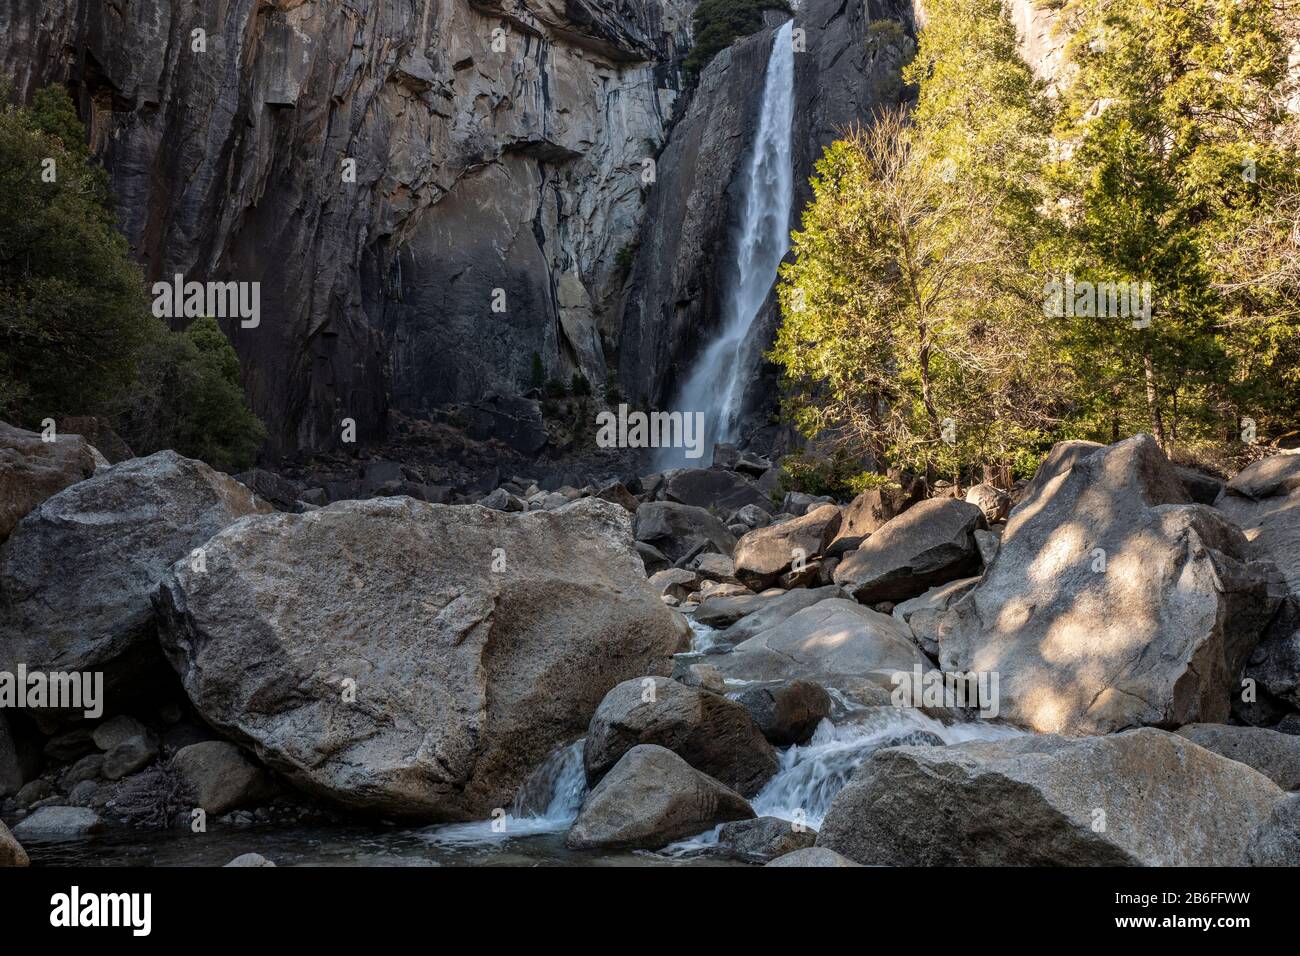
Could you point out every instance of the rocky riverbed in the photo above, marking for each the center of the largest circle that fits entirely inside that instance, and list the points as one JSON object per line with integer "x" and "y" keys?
{"x": 1098, "y": 666}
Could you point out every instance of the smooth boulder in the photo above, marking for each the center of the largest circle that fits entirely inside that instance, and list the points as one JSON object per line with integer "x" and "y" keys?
{"x": 218, "y": 777}
{"x": 1275, "y": 755}
{"x": 651, "y": 798}
{"x": 831, "y": 642}
{"x": 710, "y": 732}
{"x": 764, "y": 554}
{"x": 763, "y": 839}
{"x": 928, "y": 544}
{"x": 78, "y": 573}
{"x": 787, "y": 713}
{"x": 815, "y": 856}
{"x": 1113, "y": 602}
{"x": 411, "y": 658}
{"x": 1140, "y": 798}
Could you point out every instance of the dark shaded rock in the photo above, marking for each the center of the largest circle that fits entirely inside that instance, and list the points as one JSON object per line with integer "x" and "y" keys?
{"x": 129, "y": 756}
{"x": 788, "y": 713}
{"x": 764, "y": 554}
{"x": 96, "y": 430}
{"x": 712, "y": 733}
{"x": 514, "y": 421}
{"x": 650, "y": 798}
{"x": 58, "y": 823}
{"x": 219, "y": 778}
{"x": 77, "y": 575}
{"x": 1276, "y": 841}
{"x": 681, "y": 532}
{"x": 272, "y": 488}
{"x": 930, "y": 543}
{"x": 1275, "y": 755}
{"x": 1201, "y": 488}
{"x": 716, "y": 488}
{"x": 763, "y": 839}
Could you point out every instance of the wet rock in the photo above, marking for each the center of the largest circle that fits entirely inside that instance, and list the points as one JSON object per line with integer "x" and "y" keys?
{"x": 763, "y": 839}
{"x": 1113, "y": 603}
{"x": 31, "y": 470}
{"x": 55, "y": 823}
{"x": 703, "y": 676}
{"x": 1275, "y": 755}
{"x": 77, "y": 575}
{"x": 712, "y": 733}
{"x": 250, "y": 859}
{"x": 401, "y": 669}
{"x": 681, "y": 532}
{"x": 788, "y": 713}
{"x": 931, "y": 543}
{"x": 649, "y": 799}
{"x": 219, "y": 778}
{"x": 1049, "y": 800}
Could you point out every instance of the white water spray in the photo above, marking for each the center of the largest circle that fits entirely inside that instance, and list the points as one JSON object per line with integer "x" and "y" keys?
{"x": 716, "y": 384}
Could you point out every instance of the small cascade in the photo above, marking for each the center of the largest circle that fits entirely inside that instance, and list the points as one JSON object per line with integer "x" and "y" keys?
{"x": 548, "y": 802}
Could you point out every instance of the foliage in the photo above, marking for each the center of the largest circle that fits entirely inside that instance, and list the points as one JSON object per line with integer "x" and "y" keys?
{"x": 76, "y": 332}
{"x": 915, "y": 327}
{"x": 837, "y": 475}
{"x": 718, "y": 23}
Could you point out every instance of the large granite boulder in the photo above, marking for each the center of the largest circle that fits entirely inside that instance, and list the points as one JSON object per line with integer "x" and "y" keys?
{"x": 1275, "y": 755}
{"x": 1140, "y": 798}
{"x": 1112, "y": 603}
{"x": 717, "y": 488}
{"x": 78, "y": 573}
{"x": 814, "y": 856}
{"x": 712, "y": 733}
{"x": 764, "y": 554}
{"x": 763, "y": 839}
{"x": 651, "y": 798}
{"x": 926, "y": 615}
{"x": 32, "y": 469}
{"x": 930, "y": 543}
{"x": 410, "y": 658}
{"x": 831, "y": 642}
{"x": 682, "y": 532}
{"x": 787, "y": 713}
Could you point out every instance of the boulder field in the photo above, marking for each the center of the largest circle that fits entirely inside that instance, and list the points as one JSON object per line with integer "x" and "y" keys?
{"x": 689, "y": 641}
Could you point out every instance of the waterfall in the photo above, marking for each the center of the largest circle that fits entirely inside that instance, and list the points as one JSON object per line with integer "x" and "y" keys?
{"x": 716, "y": 383}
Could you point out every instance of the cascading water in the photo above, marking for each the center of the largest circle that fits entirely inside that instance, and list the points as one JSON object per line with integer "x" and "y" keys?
{"x": 716, "y": 384}
{"x": 548, "y": 802}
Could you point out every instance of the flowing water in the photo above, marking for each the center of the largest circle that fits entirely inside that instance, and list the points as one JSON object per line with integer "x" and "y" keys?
{"x": 716, "y": 383}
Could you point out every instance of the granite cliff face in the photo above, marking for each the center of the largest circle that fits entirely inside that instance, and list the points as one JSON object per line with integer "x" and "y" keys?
{"x": 498, "y": 145}
{"x": 432, "y": 192}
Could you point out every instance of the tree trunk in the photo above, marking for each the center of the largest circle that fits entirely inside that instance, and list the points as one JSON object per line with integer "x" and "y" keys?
{"x": 1153, "y": 401}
